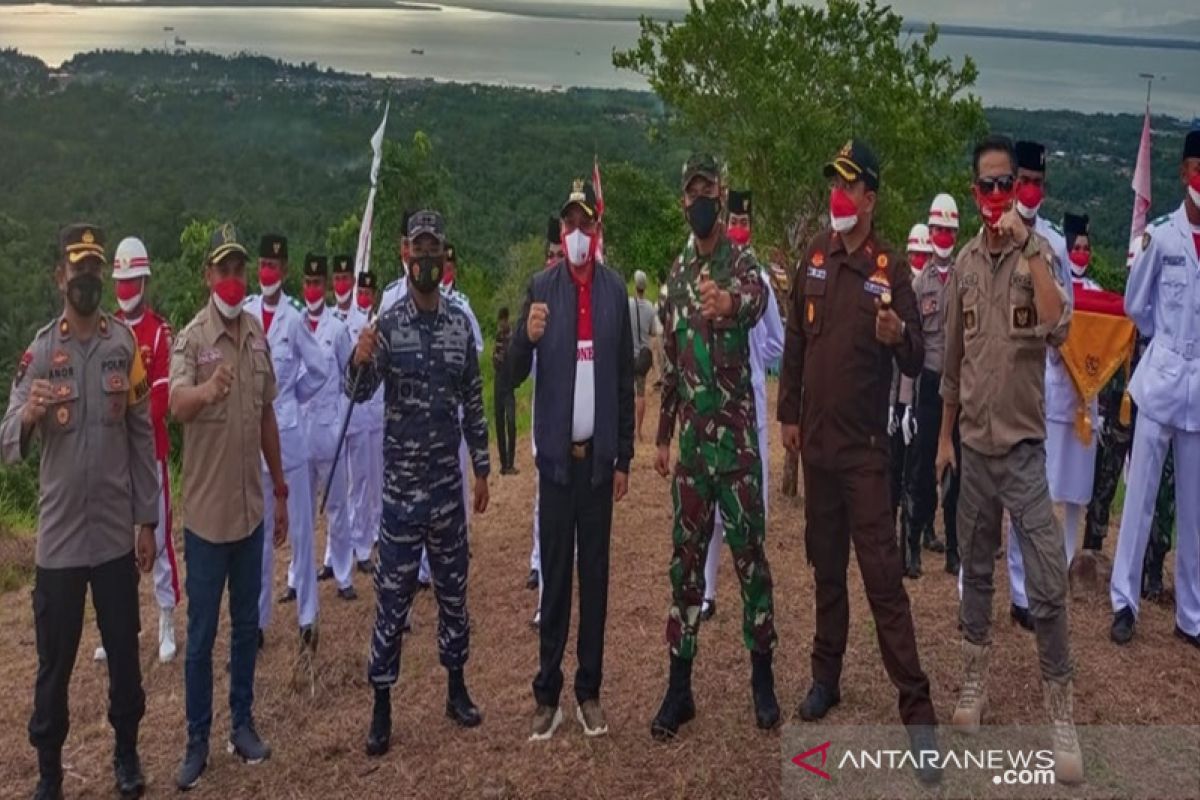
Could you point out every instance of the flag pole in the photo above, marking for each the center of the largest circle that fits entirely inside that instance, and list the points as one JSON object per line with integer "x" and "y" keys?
{"x": 362, "y": 263}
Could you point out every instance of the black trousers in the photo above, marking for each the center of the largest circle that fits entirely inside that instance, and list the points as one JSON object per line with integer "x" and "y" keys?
{"x": 921, "y": 489}
{"x": 504, "y": 401}
{"x": 58, "y": 598}
{"x": 575, "y": 526}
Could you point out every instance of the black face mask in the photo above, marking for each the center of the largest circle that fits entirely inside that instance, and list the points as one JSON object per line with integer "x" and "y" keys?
{"x": 83, "y": 293}
{"x": 702, "y": 215}
{"x": 426, "y": 273}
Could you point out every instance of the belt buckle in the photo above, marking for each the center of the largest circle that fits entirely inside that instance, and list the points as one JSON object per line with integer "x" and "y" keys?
{"x": 579, "y": 451}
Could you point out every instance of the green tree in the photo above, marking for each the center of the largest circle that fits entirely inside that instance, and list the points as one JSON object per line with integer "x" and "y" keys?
{"x": 342, "y": 238}
{"x": 643, "y": 224}
{"x": 409, "y": 180}
{"x": 777, "y": 88}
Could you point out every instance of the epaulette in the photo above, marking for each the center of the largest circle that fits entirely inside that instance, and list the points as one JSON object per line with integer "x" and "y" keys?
{"x": 1054, "y": 226}
{"x": 47, "y": 328}
{"x": 393, "y": 284}
{"x": 296, "y": 304}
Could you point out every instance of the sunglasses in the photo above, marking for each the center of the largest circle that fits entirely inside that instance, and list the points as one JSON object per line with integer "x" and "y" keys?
{"x": 1003, "y": 183}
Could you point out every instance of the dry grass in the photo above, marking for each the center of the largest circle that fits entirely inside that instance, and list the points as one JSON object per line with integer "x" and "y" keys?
{"x": 317, "y": 739}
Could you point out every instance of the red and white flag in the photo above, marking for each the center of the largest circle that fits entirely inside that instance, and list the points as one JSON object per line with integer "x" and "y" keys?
{"x": 1141, "y": 188}
{"x": 362, "y": 261}
{"x": 599, "y": 205}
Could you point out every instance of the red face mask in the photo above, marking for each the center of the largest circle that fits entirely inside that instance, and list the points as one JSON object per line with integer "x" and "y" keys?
{"x": 343, "y": 285}
{"x": 943, "y": 238}
{"x": 1080, "y": 258}
{"x": 231, "y": 291}
{"x": 365, "y": 300}
{"x": 740, "y": 235}
{"x": 448, "y": 274}
{"x": 127, "y": 290}
{"x": 314, "y": 294}
{"x": 918, "y": 260}
{"x": 1194, "y": 187}
{"x": 993, "y": 206}
{"x": 843, "y": 212}
{"x": 269, "y": 275}
{"x": 1030, "y": 196}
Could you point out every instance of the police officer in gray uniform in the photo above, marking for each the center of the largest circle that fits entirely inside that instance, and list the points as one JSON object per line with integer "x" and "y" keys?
{"x": 423, "y": 352}
{"x": 81, "y": 389}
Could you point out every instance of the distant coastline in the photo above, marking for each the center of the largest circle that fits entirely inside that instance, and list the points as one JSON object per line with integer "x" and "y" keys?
{"x": 618, "y": 12}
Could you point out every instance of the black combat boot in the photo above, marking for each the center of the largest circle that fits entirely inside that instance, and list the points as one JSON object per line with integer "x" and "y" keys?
{"x": 379, "y": 738}
{"x": 678, "y": 706}
{"x": 127, "y": 767}
{"x": 912, "y": 549}
{"x": 458, "y": 703}
{"x": 50, "y": 775}
{"x": 762, "y": 681}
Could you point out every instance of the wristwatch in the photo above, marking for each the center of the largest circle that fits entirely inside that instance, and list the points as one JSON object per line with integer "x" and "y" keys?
{"x": 281, "y": 491}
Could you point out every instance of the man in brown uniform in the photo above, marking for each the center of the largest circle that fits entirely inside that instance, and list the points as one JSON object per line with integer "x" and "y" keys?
{"x": 1004, "y": 307}
{"x": 853, "y": 313}
{"x": 222, "y": 389}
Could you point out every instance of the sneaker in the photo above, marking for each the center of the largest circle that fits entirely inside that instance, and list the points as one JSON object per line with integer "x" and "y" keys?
{"x": 1122, "y": 626}
{"x": 536, "y": 622}
{"x": 708, "y": 609}
{"x": 100, "y": 654}
{"x": 195, "y": 761}
{"x": 546, "y": 720}
{"x": 245, "y": 744}
{"x": 288, "y": 596}
{"x": 325, "y": 573}
{"x": 348, "y": 593}
{"x": 166, "y": 636}
{"x": 591, "y": 717}
{"x": 1020, "y": 615}
{"x": 531, "y": 582}
{"x": 923, "y": 739}
{"x": 308, "y": 639}
{"x": 365, "y": 566}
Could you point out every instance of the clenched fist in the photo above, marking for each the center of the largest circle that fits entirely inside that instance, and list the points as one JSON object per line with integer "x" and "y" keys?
{"x": 535, "y": 326}
{"x": 1012, "y": 226}
{"x": 714, "y": 302}
{"x": 364, "y": 349}
{"x": 217, "y": 387}
{"x": 35, "y": 405}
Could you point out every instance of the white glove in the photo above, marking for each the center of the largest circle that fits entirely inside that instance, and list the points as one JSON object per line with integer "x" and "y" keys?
{"x": 908, "y": 426}
{"x": 893, "y": 421}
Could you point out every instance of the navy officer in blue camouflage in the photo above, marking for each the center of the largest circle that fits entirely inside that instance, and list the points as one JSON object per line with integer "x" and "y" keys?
{"x": 423, "y": 352}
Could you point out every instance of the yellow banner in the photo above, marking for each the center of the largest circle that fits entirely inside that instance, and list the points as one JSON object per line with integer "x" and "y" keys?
{"x": 1096, "y": 347}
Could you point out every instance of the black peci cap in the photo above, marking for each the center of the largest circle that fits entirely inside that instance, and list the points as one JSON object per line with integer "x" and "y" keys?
{"x": 739, "y": 202}
{"x": 1191, "y": 144}
{"x": 273, "y": 245}
{"x": 316, "y": 266}
{"x": 343, "y": 265}
{"x": 1074, "y": 225}
{"x": 554, "y": 231}
{"x": 1030, "y": 155}
{"x": 366, "y": 280}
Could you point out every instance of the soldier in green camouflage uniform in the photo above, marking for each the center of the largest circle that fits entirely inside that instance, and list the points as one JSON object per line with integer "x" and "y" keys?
{"x": 1115, "y": 440}
{"x": 714, "y": 298}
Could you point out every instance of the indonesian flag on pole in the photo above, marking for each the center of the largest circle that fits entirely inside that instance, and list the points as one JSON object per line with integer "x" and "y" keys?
{"x": 362, "y": 260}
{"x": 1141, "y": 188}
{"x": 599, "y": 205}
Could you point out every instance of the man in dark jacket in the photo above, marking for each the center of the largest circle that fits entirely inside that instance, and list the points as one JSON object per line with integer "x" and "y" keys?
{"x": 576, "y": 318}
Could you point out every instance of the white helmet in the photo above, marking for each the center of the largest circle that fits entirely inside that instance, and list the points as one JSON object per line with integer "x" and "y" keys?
{"x": 918, "y": 239}
{"x": 131, "y": 260}
{"x": 944, "y": 212}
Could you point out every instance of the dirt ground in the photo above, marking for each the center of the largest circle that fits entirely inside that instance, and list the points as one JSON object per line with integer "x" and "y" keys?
{"x": 317, "y": 737}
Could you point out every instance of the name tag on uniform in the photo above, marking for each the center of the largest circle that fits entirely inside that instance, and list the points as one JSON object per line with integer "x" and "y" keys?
{"x": 209, "y": 356}
{"x": 1174, "y": 261}
{"x": 814, "y": 272}
{"x": 405, "y": 340}
{"x": 877, "y": 289}
{"x": 261, "y": 347}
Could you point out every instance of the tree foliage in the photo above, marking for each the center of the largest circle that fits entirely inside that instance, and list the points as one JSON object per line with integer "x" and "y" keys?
{"x": 643, "y": 223}
{"x": 777, "y": 88}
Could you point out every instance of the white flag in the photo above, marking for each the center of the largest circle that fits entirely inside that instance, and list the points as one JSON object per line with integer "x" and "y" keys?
{"x": 362, "y": 259}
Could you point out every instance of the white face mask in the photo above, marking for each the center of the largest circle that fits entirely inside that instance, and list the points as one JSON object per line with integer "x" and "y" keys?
{"x": 342, "y": 299}
{"x": 271, "y": 289}
{"x": 578, "y": 247}
{"x": 130, "y": 305}
{"x": 943, "y": 252}
{"x": 1026, "y": 212}
{"x": 227, "y": 311}
{"x": 315, "y": 308}
{"x": 1195, "y": 195}
{"x": 843, "y": 224}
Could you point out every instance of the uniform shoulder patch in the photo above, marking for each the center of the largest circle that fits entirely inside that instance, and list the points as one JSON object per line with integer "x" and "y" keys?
{"x": 1146, "y": 240}
{"x": 296, "y": 304}
{"x": 1054, "y": 226}
{"x": 23, "y": 366}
